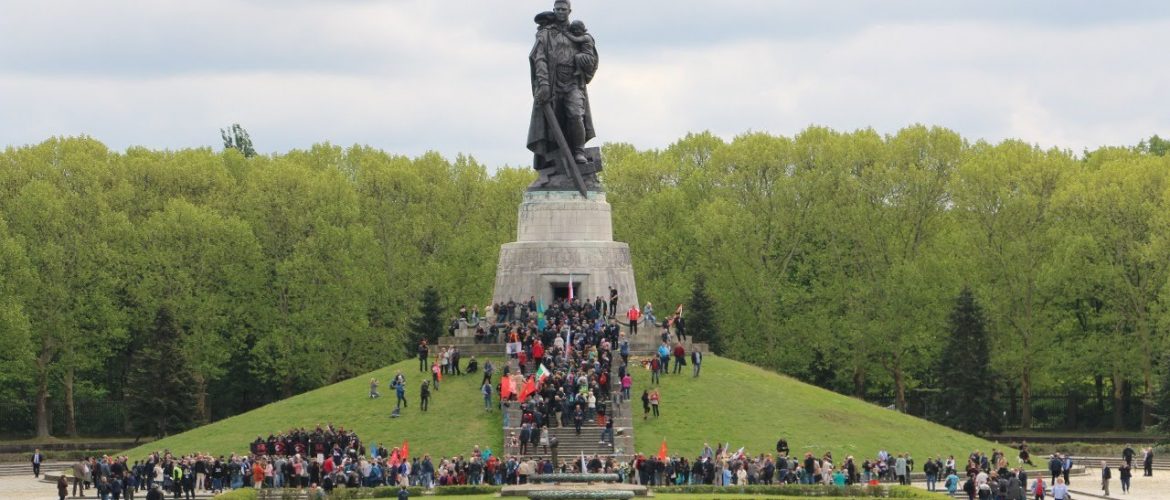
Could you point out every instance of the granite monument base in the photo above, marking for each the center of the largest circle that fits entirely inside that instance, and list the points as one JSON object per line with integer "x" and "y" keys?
{"x": 564, "y": 239}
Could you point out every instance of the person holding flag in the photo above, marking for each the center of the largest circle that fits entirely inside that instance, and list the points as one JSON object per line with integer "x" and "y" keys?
{"x": 528, "y": 389}
{"x": 542, "y": 373}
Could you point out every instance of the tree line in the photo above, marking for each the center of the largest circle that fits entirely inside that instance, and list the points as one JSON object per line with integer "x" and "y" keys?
{"x": 835, "y": 257}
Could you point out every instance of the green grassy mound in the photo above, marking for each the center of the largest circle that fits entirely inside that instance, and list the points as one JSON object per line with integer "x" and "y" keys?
{"x": 452, "y": 425}
{"x": 731, "y": 402}
{"x": 752, "y": 407}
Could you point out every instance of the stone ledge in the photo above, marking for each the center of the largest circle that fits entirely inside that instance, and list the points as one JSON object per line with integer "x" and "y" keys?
{"x": 525, "y": 490}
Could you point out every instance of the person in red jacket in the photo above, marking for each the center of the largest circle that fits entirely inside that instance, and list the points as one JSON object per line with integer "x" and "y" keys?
{"x": 537, "y": 352}
{"x": 634, "y": 315}
{"x": 680, "y": 357}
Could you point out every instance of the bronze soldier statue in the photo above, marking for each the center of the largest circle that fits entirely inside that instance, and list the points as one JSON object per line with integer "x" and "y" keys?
{"x": 563, "y": 60}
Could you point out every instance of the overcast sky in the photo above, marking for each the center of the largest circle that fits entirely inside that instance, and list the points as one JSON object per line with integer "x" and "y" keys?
{"x": 410, "y": 76}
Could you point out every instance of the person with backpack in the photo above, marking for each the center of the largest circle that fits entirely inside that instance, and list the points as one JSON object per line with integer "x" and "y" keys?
{"x": 952, "y": 482}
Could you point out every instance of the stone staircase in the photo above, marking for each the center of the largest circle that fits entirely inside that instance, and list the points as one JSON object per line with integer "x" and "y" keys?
{"x": 25, "y": 468}
{"x": 571, "y": 446}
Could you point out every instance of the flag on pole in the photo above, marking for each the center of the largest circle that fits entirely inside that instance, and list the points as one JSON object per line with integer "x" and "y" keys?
{"x": 738, "y": 454}
{"x": 542, "y": 372}
{"x": 506, "y": 388}
{"x": 571, "y": 290}
{"x": 528, "y": 389}
{"x": 583, "y": 460}
{"x": 405, "y": 449}
{"x": 662, "y": 450}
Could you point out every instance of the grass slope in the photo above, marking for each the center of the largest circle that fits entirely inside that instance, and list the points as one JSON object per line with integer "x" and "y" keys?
{"x": 751, "y": 407}
{"x": 453, "y": 424}
{"x": 731, "y": 402}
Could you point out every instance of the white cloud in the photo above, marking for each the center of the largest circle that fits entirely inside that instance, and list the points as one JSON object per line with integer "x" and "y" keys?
{"x": 412, "y": 76}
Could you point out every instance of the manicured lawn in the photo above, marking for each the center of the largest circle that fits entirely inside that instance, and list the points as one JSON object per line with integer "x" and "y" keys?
{"x": 731, "y": 402}
{"x": 454, "y": 423}
{"x": 751, "y": 407}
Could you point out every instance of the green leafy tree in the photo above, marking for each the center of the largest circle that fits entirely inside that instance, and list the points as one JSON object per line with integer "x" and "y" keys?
{"x": 1003, "y": 198}
{"x": 1162, "y": 399}
{"x": 59, "y": 212}
{"x": 235, "y": 137}
{"x": 967, "y": 388}
{"x": 428, "y": 323}
{"x": 700, "y": 316}
{"x": 1155, "y": 145}
{"x": 158, "y": 401}
{"x": 204, "y": 269}
{"x": 16, "y": 368}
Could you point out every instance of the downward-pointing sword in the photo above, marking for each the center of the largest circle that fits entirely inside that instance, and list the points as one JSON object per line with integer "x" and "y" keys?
{"x": 566, "y": 154}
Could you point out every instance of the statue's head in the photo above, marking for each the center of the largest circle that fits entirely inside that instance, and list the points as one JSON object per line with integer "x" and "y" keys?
{"x": 562, "y": 8}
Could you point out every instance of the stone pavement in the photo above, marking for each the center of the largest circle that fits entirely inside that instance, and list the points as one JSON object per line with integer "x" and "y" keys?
{"x": 1156, "y": 487}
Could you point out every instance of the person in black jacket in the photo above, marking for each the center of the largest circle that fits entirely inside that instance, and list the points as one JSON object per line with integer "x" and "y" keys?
{"x": 37, "y": 458}
{"x": 425, "y": 395}
{"x": 423, "y": 352}
{"x": 1106, "y": 475}
{"x": 930, "y": 468}
{"x": 1054, "y": 465}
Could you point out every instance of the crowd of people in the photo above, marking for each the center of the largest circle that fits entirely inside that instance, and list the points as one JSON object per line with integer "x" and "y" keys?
{"x": 564, "y": 358}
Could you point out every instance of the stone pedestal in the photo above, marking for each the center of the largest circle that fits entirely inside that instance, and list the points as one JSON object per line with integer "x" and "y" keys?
{"x": 562, "y": 238}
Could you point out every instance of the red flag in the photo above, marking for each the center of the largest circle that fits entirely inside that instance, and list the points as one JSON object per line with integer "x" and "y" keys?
{"x": 528, "y": 390}
{"x": 662, "y": 450}
{"x": 405, "y": 449}
{"x": 506, "y": 389}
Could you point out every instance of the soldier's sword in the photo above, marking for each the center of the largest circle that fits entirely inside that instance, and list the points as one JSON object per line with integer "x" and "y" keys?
{"x": 566, "y": 154}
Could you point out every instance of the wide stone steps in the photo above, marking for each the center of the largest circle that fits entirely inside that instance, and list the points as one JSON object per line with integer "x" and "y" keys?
{"x": 572, "y": 445}
{"x": 569, "y": 442}
{"x": 25, "y": 468}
